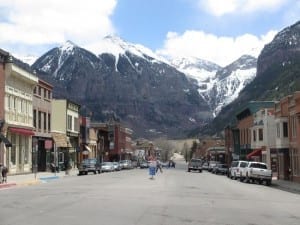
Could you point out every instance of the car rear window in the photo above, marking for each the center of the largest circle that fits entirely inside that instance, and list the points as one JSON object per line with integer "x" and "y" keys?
{"x": 258, "y": 165}
{"x": 234, "y": 164}
{"x": 195, "y": 160}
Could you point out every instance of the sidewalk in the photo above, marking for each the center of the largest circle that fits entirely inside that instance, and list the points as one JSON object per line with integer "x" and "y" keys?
{"x": 32, "y": 179}
{"x": 286, "y": 186}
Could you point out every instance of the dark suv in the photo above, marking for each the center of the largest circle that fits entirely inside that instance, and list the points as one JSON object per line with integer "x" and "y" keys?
{"x": 89, "y": 165}
{"x": 195, "y": 164}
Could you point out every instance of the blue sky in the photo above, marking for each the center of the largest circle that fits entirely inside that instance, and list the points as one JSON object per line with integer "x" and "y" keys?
{"x": 215, "y": 30}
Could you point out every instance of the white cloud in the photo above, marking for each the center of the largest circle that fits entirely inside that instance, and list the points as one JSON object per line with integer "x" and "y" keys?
{"x": 221, "y": 7}
{"x": 221, "y": 50}
{"x": 34, "y": 22}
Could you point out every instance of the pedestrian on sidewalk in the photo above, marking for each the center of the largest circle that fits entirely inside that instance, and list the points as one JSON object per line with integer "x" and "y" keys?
{"x": 0, "y": 173}
{"x": 4, "y": 172}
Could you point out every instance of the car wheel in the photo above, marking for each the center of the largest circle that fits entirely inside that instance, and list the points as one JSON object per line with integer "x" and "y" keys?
{"x": 247, "y": 180}
{"x": 268, "y": 182}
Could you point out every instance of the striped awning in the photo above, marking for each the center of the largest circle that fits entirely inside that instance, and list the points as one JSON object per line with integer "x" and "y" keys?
{"x": 87, "y": 148}
{"x": 61, "y": 140}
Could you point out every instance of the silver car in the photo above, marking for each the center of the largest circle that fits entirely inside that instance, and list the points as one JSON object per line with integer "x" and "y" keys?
{"x": 117, "y": 166}
{"x": 126, "y": 164}
{"x": 107, "y": 167}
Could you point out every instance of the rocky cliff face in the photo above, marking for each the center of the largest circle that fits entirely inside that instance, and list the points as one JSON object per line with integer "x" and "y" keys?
{"x": 278, "y": 75}
{"x": 148, "y": 95}
{"x": 284, "y": 48}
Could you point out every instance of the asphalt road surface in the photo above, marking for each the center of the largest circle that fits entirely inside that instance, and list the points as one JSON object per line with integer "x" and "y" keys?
{"x": 174, "y": 197}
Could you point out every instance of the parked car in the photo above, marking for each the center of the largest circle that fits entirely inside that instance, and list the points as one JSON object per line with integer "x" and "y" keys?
{"x": 256, "y": 171}
{"x": 220, "y": 168}
{"x": 89, "y": 165}
{"x": 195, "y": 164}
{"x": 126, "y": 164}
{"x": 236, "y": 167}
{"x": 205, "y": 166}
{"x": 117, "y": 166}
{"x": 144, "y": 164}
{"x": 107, "y": 167}
{"x": 211, "y": 165}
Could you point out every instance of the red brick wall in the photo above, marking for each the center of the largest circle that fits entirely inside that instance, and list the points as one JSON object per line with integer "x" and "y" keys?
{"x": 244, "y": 127}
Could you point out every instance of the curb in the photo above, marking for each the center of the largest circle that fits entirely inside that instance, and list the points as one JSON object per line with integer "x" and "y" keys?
{"x": 7, "y": 185}
{"x": 285, "y": 188}
{"x": 28, "y": 183}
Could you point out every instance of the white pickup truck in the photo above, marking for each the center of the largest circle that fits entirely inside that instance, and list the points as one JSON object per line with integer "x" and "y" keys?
{"x": 256, "y": 171}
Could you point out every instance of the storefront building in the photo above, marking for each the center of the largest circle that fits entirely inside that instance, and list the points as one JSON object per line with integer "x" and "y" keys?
{"x": 42, "y": 143}
{"x": 19, "y": 85}
{"x": 65, "y": 131}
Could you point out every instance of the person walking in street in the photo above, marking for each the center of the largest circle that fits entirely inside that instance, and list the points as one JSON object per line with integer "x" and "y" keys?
{"x": 158, "y": 166}
{"x": 152, "y": 167}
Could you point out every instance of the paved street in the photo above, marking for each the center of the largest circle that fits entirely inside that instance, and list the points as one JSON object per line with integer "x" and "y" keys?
{"x": 174, "y": 197}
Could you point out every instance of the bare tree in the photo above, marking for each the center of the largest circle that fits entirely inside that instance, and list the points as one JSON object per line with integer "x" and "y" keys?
{"x": 166, "y": 147}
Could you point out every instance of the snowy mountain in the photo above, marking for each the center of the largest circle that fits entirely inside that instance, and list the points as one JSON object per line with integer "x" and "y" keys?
{"x": 201, "y": 71}
{"x": 147, "y": 94}
{"x": 117, "y": 47}
{"x": 277, "y": 76}
{"x": 218, "y": 86}
{"x": 230, "y": 81}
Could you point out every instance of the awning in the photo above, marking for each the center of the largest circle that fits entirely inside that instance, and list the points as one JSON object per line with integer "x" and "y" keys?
{"x": 256, "y": 152}
{"x": 5, "y": 140}
{"x": 87, "y": 148}
{"x": 60, "y": 140}
{"x": 22, "y": 131}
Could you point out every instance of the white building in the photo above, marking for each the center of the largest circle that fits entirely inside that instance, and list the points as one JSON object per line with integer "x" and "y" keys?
{"x": 19, "y": 85}
{"x": 263, "y": 136}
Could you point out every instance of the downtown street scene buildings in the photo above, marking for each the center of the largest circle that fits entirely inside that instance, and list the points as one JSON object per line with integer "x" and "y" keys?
{"x": 268, "y": 132}
{"x": 38, "y": 132}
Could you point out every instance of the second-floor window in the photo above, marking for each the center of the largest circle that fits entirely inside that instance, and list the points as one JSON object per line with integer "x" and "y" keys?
{"x": 76, "y": 124}
{"x": 254, "y": 135}
{"x": 278, "y": 130}
{"x": 285, "y": 129}
{"x": 49, "y": 122}
{"x": 45, "y": 121}
{"x": 34, "y": 118}
{"x": 40, "y": 120}
{"x": 69, "y": 123}
{"x": 260, "y": 135}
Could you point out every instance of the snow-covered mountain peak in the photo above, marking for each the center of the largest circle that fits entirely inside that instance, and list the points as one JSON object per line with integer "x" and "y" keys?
{"x": 67, "y": 47}
{"x": 116, "y": 46}
{"x": 202, "y": 71}
{"x": 188, "y": 62}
